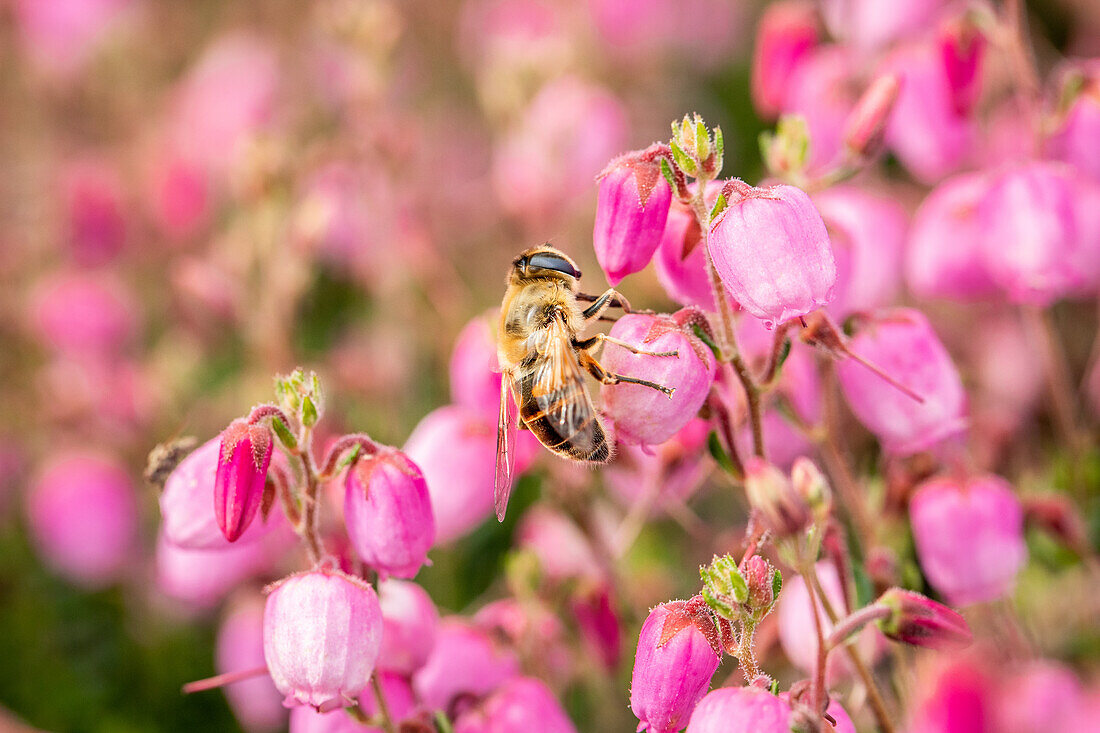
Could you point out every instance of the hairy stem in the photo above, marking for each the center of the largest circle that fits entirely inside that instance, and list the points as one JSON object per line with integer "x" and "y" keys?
{"x": 855, "y": 621}
{"x": 310, "y": 527}
{"x": 746, "y": 651}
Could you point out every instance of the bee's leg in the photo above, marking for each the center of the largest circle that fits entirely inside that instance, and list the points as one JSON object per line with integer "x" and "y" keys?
{"x": 610, "y": 298}
{"x": 601, "y": 337}
{"x": 596, "y": 370}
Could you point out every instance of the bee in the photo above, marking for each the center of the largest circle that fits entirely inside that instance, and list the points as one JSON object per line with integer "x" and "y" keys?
{"x": 543, "y": 361}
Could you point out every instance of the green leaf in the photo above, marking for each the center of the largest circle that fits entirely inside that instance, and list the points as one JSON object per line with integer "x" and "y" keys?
{"x": 666, "y": 171}
{"x": 686, "y": 164}
{"x": 702, "y": 139}
{"x": 282, "y": 432}
{"x": 719, "y": 147}
{"x": 719, "y": 206}
{"x": 309, "y": 412}
{"x": 349, "y": 458}
{"x": 777, "y": 584}
{"x": 714, "y": 445}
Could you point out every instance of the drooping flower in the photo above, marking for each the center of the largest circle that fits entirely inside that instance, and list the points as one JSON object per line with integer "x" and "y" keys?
{"x": 920, "y": 621}
{"x": 464, "y": 660}
{"x": 243, "y": 459}
{"x": 519, "y": 704}
{"x": 410, "y": 622}
{"x": 787, "y": 31}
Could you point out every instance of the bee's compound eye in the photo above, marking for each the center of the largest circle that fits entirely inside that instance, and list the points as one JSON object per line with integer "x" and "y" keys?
{"x": 553, "y": 262}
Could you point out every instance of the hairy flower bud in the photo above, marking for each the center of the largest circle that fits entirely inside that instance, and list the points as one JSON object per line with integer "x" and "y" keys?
{"x": 410, "y": 622}
{"x": 322, "y": 632}
{"x": 677, "y": 656}
{"x": 903, "y": 345}
{"x": 642, "y": 414}
{"x": 772, "y": 252}
{"x": 242, "y": 472}
{"x": 631, "y": 208}
{"x": 969, "y": 537}
{"x": 920, "y": 621}
{"x": 388, "y": 513}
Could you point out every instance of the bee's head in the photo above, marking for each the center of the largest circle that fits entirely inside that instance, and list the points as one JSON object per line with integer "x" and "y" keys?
{"x": 545, "y": 262}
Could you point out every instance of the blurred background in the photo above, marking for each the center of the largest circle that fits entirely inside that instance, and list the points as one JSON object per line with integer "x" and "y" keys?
{"x": 199, "y": 195}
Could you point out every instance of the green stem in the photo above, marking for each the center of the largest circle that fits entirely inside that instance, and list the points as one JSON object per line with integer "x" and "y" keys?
{"x": 383, "y": 708}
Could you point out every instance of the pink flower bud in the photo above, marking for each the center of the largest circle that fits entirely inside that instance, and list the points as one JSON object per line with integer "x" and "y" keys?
{"x": 84, "y": 315}
{"x": 770, "y": 492}
{"x": 188, "y": 519}
{"x": 464, "y": 661}
{"x": 242, "y": 472}
{"x": 772, "y": 251}
{"x": 520, "y": 704}
{"x": 410, "y": 622}
{"x": 962, "y": 50}
{"x": 642, "y": 414}
{"x": 902, "y": 343}
{"x": 255, "y": 702}
{"x": 534, "y": 628}
{"x": 945, "y": 257}
{"x": 94, "y": 208}
{"x": 753, "y": 710}
{"x": 388, "y": 513}
{"x": 969, "y": 537}
{"x": 475, "y": 374}
{"x": 178, "y": 196}
{"x": 797, "y": 635}
{"x": 677, "y": 655}
{"x": 867, "y": 232}
{"x": 631, "y": 208}
{"x": 82, "y": 515}
{"x": 865, "y": 128}
{"x": 787, "y": 31}
{"x": 1031, "y": 232}
{"x": 456, "y": 452}
{"x": 1074, "y": 139}
{"x": 929, "y": 136}
{"x": 759, "y": 574}
{"x": 322, "y": 631}
{"x": 920, "y": 621}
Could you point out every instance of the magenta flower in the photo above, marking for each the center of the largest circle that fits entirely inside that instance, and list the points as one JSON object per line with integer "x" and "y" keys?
{"x": 969, "y": 537}
{"x": 867, "y": 232}
{"x": 465, "y": 660}
{"x": 787, "y": 31}
{"x": 772, "y": 251}
{"x": 475, "y": 375}
{"x": 82, "y": 515}
{"x": 388, "y": 513}
{"x": 410, "y": 622}
{"x": 94, "y": 210}
{"x": 1045, "y": 695}
{"x": 255, "y": 702}
{"x": 631, "y": 208}
{"x": 962, "y": 51}
{"x": 960, "y": 698}
{"x": 644, "y": 415}
{"x": 188, "y": 520}
{"x": 322, "y": 632}
{"x": 927, "y": 133}
{"x": 599, "y": 625}
{"x": 678, "y": 652}
{"x": 945, "y": 258}
{"x": 903, "y": 345}
{"x": 520, "y": 704}
{"x": 242, "y": 472}
{"x": 1032, "y": 237}
{"x": 920, "y": 621}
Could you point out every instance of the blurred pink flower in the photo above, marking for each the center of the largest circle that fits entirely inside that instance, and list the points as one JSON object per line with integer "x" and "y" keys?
{"x": 753, "y": 710}
{"x": 1078, "y": 127}
{"x": 410, "y": 622}
{"x": 255, "y": 702}
{"x": 95, "y": 211}
{"x": 464, "y": 661}
{"x": 787, "y": 32}
{"x": 82, "y": 514}
{"x": 868, "y": 24}
{"x": 520, "y": 704}
{"x": 1043, "y": 696}
{"x": 969, "y": 537}
{"x": 960, "y": 699}
{"x": 670, "y": 471}
{"x": 61, "y": 35}
{"x": 475, "y": 374}
{"x": 562, "y": 549}
{"x": 84, "y": 315}
{"x": 822, "y": 89}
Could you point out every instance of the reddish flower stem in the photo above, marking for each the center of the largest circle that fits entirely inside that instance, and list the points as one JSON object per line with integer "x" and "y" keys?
{"x": 345, "y": 443}
{"x": 855, "y": 621}
{"x": 222, "y": 680}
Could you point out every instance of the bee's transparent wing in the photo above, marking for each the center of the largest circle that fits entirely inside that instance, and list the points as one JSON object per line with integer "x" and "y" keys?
{"x": 560, "y": 392}
{"x": 507, "y": 428}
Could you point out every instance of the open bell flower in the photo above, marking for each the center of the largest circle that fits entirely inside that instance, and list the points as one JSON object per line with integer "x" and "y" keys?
{"x": 903, "y": 345}
{"x": 753, "y": 710}
{"x": 322, "y": 633}
{"x": 642, "y": 414}
{"x": 242, "y": 473}
{"x": 969, "y": 537}
{"x": 772, "y": 251}
{"x": 520, "y": 704}
{"x": 388, "y": 513}
{"x": 410, "y": 622}
{"x": 678, "y": 653}
{"x": 632, "y": 205}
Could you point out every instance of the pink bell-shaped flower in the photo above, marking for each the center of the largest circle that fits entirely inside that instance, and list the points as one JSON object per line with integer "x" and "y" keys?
{"x": 475, "y": 375}
{"x": 787, "y": 31}
{"x": 388, "y": 513}
{"x": 410, "y": 622}
{"x": 642, "y": 414}
{"x": 465, "y": 660}
{"x": 969, "y": 537}
{"x": 772, "y": 252}
{"x": 753, "y": 710}
{"x": 242, "y": 472}
{"x": 520, "y": 704}
{"x": 322, "y": 632}
{"x": 945, "y": 258}
{"x": 678, "y": 653}
{"x": 631, "y": 208}
{"x": 903, "y": 345}
{"x": 82, "y": 514}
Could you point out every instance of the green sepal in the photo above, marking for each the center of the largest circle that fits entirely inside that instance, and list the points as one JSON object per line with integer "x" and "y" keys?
{"x": 310, "y": 416}
{"x": 719, "y": 148}
{"x": 702, "y": 139}
{"x": 686, "y": 164}
{"x": 666, "y": 171}
{"x": 283, "y": 433}
{"x": 719, "y": 206}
